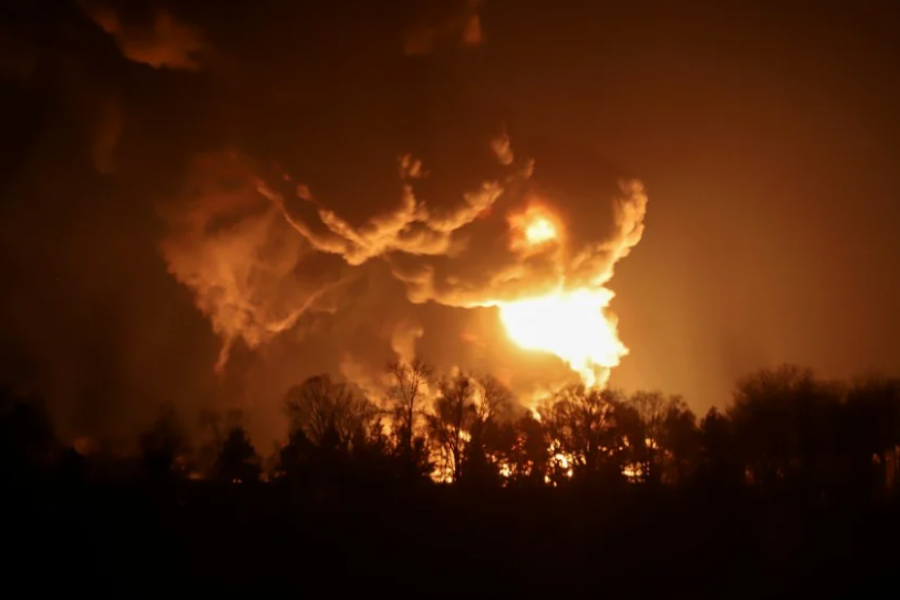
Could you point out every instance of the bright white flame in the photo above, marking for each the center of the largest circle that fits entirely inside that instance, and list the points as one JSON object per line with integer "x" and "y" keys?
{"x": 539, "y": 231}
{"x": 571, "y": 325}
{"x": 533, "y": 230}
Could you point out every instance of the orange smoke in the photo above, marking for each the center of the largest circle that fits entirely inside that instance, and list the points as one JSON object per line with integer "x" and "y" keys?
{"x": 232, "y": 247}
{"x": 234, "y": 241}
{"x": 168, "y": 43}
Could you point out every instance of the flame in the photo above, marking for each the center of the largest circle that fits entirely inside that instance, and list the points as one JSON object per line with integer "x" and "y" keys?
{"x": 571, "y": 321}
{"x": 533, "y": 229}
{"x": 540, "y": 230}
{"x": 570, "y": 324}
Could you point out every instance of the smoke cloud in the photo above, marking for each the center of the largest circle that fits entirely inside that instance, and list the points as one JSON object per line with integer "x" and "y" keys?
{"x": 443, "y": 21}
{"x": 163, "y": 42}
{"x": 327, "y": 198}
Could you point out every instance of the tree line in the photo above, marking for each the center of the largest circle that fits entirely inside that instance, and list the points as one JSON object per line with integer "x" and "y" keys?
{"x": 784, "y": 430}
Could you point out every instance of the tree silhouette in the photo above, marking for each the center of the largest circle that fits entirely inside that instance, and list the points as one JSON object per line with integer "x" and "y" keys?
{"x": 680, "y": 441}
{"x": 237, "y": 461}
{"x": 581, "y": 425}
{"x": 320, "y": 407}
{"x": 295, "y": 458}
{"x": 646, "y": 433}
{"x": 784, "y": 478}
{"x": 406, "y": 400}
{"x": 786, "y": 423}
{"x": 525, "y": 445}
{"x": 663, "y": 438}
{"x": 718, "y": 461}
{"x": 486, "y": 446}
{"x": 454, "y": 412}
{"x": 871, "y": 431}
{"x": 163, "y": 444}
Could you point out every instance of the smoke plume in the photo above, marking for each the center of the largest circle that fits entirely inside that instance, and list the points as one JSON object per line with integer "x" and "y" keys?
{"x": 328, "y": 198}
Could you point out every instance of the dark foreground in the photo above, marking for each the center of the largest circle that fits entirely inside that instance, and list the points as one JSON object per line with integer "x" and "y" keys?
{"x": 187, "y": 538}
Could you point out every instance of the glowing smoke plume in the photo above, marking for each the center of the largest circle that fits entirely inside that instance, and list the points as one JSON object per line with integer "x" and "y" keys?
{"x": 459, "y": 223}
{"x": 237, "y": 248}
{"x": 331, "y": 198}
{"x": 575, "y": 324}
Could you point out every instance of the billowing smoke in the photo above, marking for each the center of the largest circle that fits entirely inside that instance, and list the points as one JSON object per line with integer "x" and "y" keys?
{"x": 163, "y": 41}
{"x": 327, "y": 183}
{"x": 250, "y": 271}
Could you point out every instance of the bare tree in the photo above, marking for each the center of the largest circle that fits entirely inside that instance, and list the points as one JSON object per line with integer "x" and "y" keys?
{"x": 581, "y": 423}
{"x": 488, "y": 442}
{"x": 406, "y": 397}
{"x": 664, "y": 438}
{"x": 493, "y": 400}
{"x": 528, "y": 449}
{"x": 320, "y": 406}
{"x": 650, "y": 409}
{"x": 454, "y": 412}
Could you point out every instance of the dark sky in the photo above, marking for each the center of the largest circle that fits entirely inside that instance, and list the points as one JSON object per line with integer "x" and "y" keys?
{"x": 765, "y": 135}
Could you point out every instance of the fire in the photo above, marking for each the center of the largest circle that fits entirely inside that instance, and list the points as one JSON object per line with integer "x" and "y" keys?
{"x": 570, "y": 324}
{"x": 533, "y": 230}
{"x": 539, "y": 231}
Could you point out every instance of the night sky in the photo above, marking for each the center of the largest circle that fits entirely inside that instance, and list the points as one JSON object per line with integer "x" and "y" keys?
{"x": 143, "y": 143}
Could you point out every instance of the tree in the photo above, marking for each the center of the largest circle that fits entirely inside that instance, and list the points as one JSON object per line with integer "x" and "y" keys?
{"x": 786, "y": 424}
{"x": 335, "y": 435}
{"x": 650, "y": 409}
{"x": 320, "y": 407}
{"x": 662, "y": 436}
{"x": 580, "y": 423}
{"x": 406, "y": 398}
{"x": 494, "y": 399}
{"x": 486, "y": 444}
{"x": 295, "y": 458}
{"x": 454, "y": 412}
{"x": 680, "y": 440}
{"x": 718, "y": 463}
{"x": 163, "y": 444}
{"x": 526, "y": 445}
{"x": 237, "y": 461}
{"x": 870, "y": 431}
{"x": 211, "y": 435}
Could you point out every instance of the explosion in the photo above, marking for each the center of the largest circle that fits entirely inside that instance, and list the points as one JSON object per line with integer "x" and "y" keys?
{"x": 337, "y": 255}
{"x": 541, "y": 230}
{"x": 330, "y": 200}
{"x": 542, "y": 274}
{"x": 571, "y": 325}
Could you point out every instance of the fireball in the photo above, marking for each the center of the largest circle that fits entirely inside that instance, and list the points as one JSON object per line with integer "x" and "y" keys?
{"x": 573, "y": 325}
{"x": 539, "y": 231}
